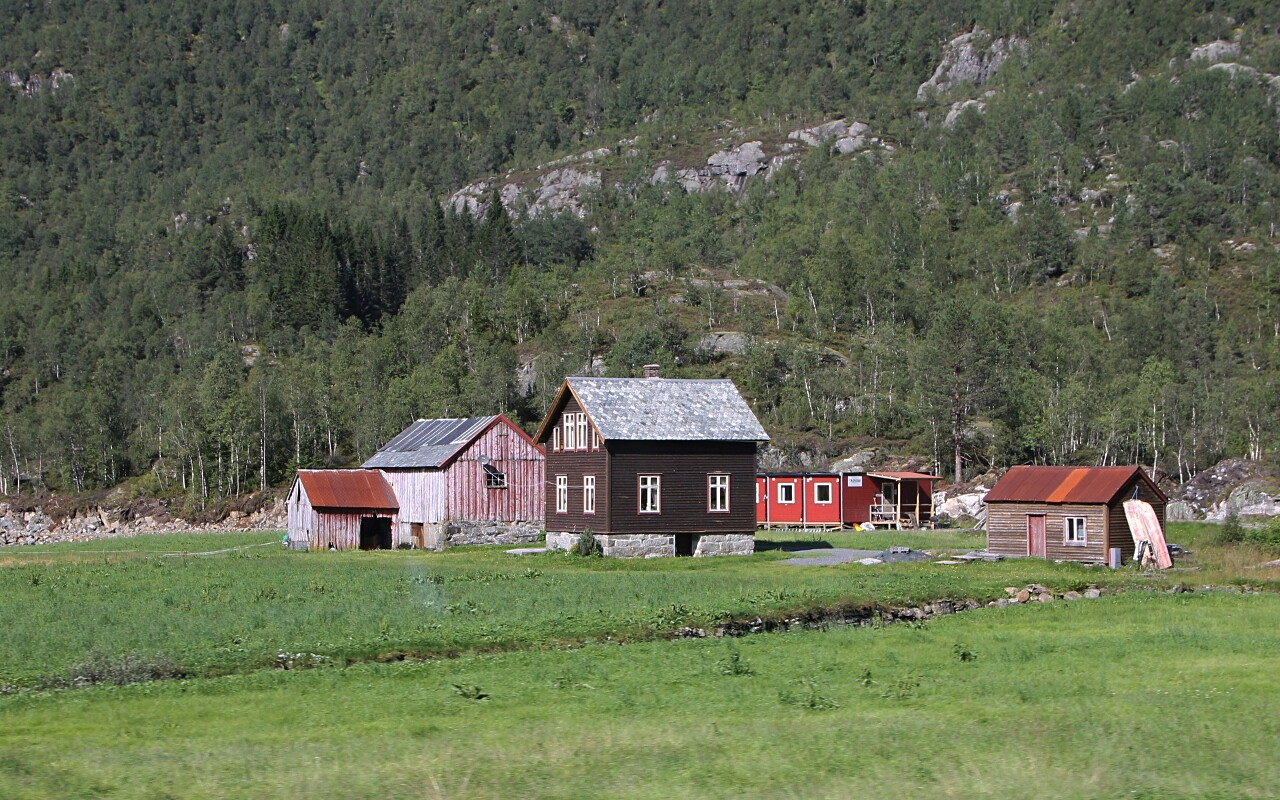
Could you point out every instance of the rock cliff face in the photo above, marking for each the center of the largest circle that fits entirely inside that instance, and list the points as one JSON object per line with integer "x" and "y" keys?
{"x": 973, "y": 57}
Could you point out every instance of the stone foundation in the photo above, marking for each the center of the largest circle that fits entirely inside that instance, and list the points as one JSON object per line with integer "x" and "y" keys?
{"x": 654, "y": 545}
{"x": 460, "y": 532}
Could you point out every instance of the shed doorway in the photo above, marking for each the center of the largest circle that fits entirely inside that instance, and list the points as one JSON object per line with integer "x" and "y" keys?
{"x": 375, "y": 533}
{"x": 1036, "y": 536}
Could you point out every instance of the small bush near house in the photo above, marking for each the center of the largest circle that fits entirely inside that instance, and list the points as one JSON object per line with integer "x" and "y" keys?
{"x": 587, "y": 545}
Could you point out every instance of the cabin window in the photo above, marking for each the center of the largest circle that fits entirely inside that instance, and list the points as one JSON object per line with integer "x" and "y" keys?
{"x": 822, "y": 493}
{"x": 582, "y": 432}
{"x": 718, "y": 493}
{"x": 588, "y": 494}
{"x": 650, "y": 494}
{"x": 555, "y": 438}
{"x": 1074, "y": 531}
{"x": 562, "y": 494}
{"x": 786, "y": 493}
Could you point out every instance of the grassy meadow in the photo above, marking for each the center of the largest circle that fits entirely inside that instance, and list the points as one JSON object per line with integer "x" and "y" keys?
{"x": 552, "y": 676}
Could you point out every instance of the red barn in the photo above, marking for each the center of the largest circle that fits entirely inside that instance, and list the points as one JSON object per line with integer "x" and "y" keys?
{"x": 464, "y": 481}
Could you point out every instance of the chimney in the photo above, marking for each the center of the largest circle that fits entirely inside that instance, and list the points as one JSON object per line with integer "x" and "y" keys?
{"x": 651, "y": 371}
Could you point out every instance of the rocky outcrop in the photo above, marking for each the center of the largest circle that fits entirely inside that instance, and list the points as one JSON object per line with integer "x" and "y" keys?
{"x": 1213, "y": 52}
{"x": 973, "y": 57}
{"x": 564, "y": 186}
{"x": 36, "y": 82}
{"x": 958, "y": 108}
{"x": 1234, "y": 486}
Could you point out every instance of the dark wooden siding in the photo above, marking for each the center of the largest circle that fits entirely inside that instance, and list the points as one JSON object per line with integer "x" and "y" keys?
{"x": 574, "y": 464}
{"x": 1007, "y": 530}
{"x": 684, "y": 467}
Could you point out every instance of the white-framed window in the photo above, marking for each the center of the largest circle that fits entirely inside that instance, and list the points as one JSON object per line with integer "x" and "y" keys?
{"x": 822, "y": 494}
{"x": 1074, "y": 531}
{"x": 757, "y": 492}
{"x": 717, "y": 493}
{"x": 595, "y": 439}
{"x": 555, "y": 438}
{"x": 570, "y": 432}
{"x": 583, "y": 441}
{"x": 650, "y": 494}
{"x": 786, "y": 493}
{"x": 588, "y": 494}
{"x": 562, "y": 494}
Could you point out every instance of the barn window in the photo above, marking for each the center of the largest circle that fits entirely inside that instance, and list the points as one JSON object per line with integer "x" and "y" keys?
{"x": 822, "y": 493}
{"x": 493, "y": 479}
{"x": 717, "y": 493}
{"x": 1074, "y": 531}
{"x": 650, "y": 494}
{"x": 562, "y": 494}
{"x": 786, "y": 493}
{"x": 588, "y": 494}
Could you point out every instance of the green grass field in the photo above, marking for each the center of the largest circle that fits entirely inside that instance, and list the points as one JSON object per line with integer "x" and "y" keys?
{"x": 1141, "y": 694}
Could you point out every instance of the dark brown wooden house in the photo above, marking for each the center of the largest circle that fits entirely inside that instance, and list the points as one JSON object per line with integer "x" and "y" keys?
{"x": 651, "y": 466}
{"x": 1067, "y": 513}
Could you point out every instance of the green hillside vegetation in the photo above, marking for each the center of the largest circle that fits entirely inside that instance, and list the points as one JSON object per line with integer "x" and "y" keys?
{"x": 226, "y": 257}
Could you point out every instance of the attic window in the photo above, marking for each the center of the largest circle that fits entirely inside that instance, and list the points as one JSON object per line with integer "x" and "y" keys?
{"x": 493, "y": 479}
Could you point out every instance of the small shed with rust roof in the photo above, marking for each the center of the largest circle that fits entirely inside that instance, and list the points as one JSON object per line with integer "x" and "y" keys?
{"x": 1067, "y": 513}
{"x": 341, "y": 509}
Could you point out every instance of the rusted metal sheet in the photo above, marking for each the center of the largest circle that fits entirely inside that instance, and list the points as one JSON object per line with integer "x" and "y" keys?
{"x": 347, "y": 489}
{"x": 1047, "y": 484}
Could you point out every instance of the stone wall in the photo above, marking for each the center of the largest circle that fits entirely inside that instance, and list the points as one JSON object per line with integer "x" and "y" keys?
{"x": 38, "y": 527}
{"x": 725, "y": 544}
{"x": 656, "y": 545}
{"x": 461, "y": 532}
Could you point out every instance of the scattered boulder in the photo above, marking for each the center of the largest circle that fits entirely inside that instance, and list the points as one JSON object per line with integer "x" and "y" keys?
{"x": 1213, "y": 52}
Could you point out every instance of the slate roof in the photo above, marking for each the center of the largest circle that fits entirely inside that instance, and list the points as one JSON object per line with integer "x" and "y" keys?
{"x": 667, "y": 409}
{"x": 1038, "y": 484}
{"x": 428, "y": 443}
{"x": 347, "y": 488}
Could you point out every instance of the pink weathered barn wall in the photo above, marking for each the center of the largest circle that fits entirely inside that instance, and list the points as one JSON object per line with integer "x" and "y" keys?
{"x": 511, "y": 453}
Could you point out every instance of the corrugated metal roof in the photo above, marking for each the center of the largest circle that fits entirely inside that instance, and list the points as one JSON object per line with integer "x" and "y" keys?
{"x": 348, "y": 488}
{"x": 904, "y": 476}
{"x": 667, "y": 409}
{"x": 428, "y": 443}
{"x": 1065, "y": 484}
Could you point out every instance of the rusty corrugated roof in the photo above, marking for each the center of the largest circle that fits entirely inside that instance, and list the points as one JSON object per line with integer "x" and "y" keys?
{"x": 348, "y": 488}
{"x": 1037, "y": 484}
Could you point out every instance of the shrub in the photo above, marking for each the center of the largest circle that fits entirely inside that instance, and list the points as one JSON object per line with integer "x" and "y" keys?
{"x": 1266, "y": 535}
{"x": 587, "y": 545}
{"x": 1231, "y": 532}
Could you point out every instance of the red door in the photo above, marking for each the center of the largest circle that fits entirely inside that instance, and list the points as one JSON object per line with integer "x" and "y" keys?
{"x": 1035, "y": 536}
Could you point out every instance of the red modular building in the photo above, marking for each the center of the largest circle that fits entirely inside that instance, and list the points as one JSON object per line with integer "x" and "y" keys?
{"x": 844, "y": 500}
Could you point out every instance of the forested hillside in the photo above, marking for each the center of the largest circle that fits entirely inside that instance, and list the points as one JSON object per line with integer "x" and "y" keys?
{"x": 227, "y": 254}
